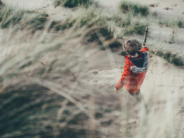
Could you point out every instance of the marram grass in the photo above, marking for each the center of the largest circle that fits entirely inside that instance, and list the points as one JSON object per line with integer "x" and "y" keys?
{"x": 11, "y": 16}
{"x": 72, "y": 3}
{"x": 136, "y": 9}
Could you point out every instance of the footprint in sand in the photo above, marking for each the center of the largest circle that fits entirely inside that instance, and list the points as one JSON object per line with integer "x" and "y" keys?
{"x": 181, "y": 111}
{"x": 95, "y": 81}
{"x": 154, "y": 5}
{"x": 167, "y": 8}
{"x": 174, "y": 5}
{"x": 95, "y": 72}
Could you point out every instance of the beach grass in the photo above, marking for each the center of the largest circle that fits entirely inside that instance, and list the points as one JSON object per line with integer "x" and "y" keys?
{"x": 72, "y": 3}
{"x": 135, "y": 8}
{"x": 171, "y": 57}
{"x": 178, "y": 22}
{"x": 12, "y": 16}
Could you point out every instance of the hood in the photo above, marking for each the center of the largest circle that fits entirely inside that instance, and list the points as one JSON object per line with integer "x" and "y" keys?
{"x": 141, "y": 62}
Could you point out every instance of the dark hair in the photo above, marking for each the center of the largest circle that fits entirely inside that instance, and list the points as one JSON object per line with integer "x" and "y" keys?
{"x": 130, "y": 47}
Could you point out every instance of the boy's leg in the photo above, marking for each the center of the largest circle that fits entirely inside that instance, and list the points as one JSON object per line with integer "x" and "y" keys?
{"x": 119, "y": 85}
{"x": 138, "y": 96}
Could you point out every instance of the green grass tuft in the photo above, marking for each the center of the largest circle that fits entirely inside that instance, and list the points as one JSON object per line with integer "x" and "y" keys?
{"x": 1, "y": 2}
{"x": 172, "y": 23}
{"x": 135, "y": 28}
{"x": 10, "y": 16}
{"x": 38, "y": 22}
{"x": 137, "y": 9}
{"x": 72, "y": 3}
{"x": 180, "y": 24}
{"x": 173, "y": 58}
{"x": 98, "y": 35}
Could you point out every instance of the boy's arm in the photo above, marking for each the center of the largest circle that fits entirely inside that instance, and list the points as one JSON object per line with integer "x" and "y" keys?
{"x": 144, "y": 48}
{"x": 124, "y": 78}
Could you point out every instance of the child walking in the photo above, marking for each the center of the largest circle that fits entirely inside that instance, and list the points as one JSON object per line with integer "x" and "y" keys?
{"x": 135, "y": 69}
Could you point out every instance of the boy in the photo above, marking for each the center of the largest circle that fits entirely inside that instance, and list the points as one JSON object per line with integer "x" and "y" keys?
{"x": 135, "y": 68}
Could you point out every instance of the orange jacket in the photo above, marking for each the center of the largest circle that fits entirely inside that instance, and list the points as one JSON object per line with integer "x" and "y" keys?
{"x": 134, "y": 72}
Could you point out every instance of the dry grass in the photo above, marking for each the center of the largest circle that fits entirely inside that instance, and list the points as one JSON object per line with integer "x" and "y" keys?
{"x": 14, "y": 17}
{"x": 72, "y": 3}
{"x": 171, "y": 57}
{"x": 172, "y": 22}
{"x": 91, "y": 17}
{"x": 50, "y": 100}
{"x": 136, "y": 9}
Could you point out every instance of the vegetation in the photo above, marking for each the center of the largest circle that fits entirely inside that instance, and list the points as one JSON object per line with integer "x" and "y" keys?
{"x": 136, "y": 9}
{"x": 37, "y": 21}
{"x": 104, "y": 26}
{"x": 172, "y": 23}
{"x": 91, "y": 17}
{"x": 169, "y": 56}
{"x": 10, "y": 16}
{"x": 135, "y": 28}
{"x": 42, "y": 105}
{"x": 72, "y": 3}
{"x": 1, "y": 2}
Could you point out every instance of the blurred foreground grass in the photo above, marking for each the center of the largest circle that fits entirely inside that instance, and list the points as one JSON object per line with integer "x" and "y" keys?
{"x": 47, "y": 100}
